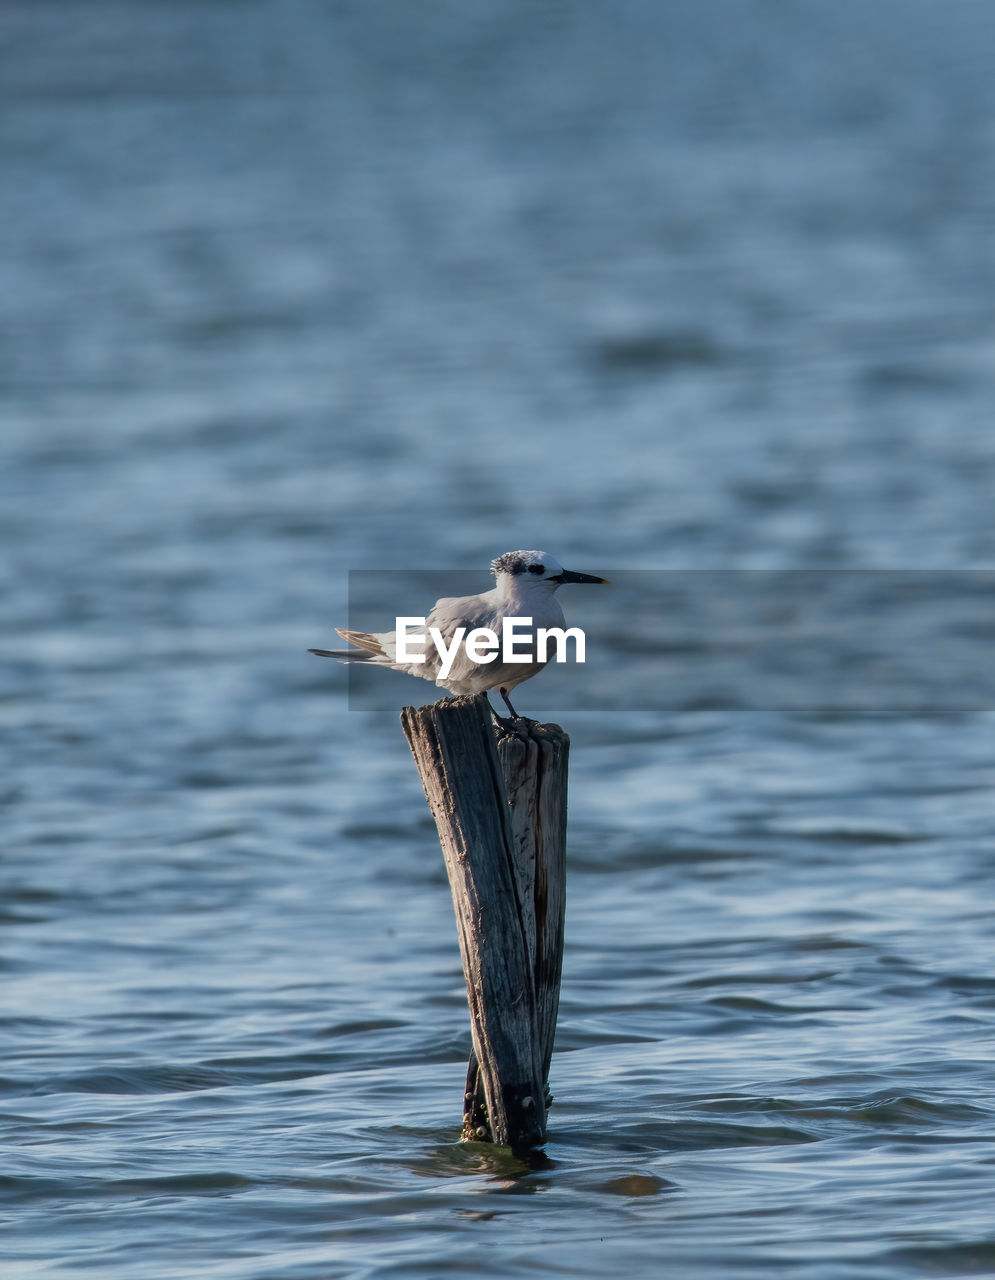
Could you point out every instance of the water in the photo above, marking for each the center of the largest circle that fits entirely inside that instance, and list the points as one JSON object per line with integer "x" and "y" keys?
{"x": 293, "y": 289}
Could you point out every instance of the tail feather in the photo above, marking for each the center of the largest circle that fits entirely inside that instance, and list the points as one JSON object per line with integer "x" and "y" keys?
{"x": 343, "y": 655}
{"x": 364, "y": 640}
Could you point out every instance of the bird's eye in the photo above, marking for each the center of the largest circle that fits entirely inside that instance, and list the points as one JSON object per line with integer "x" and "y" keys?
{"x": 536, "y": 568}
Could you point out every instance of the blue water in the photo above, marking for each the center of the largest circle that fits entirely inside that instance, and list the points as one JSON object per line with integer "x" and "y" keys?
{"x": 293, "y": 289}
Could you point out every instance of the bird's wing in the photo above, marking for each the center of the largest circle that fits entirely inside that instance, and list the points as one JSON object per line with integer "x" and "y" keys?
{"x": 449, "y": 614}
{"x": 463, "y": 611}
{"x": 470, "y": 612}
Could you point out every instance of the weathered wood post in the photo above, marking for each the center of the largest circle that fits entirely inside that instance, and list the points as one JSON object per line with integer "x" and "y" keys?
{"x": 499, "y": 799}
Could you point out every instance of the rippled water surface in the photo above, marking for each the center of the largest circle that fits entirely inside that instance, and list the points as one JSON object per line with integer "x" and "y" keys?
{"x": 294, "y": 289}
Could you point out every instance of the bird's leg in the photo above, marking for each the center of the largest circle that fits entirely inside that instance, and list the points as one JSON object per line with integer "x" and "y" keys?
{"x": 507, "y": 703}
{"x": 502, "y": 721}
{"x": 507, "y": 723}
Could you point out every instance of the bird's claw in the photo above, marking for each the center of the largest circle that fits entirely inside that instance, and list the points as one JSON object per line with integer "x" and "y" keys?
{"x": 511, "y": 724}
{"x": 508, "y": 724}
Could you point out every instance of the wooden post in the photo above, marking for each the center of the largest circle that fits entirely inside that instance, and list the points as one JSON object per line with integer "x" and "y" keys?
{"x": 499, "y": 799}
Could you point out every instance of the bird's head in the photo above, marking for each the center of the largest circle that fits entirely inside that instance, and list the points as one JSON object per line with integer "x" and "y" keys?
{"x": 535, "y": 570}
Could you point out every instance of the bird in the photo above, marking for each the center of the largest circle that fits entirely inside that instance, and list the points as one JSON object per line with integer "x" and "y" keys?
{"x": 525, "y": 587}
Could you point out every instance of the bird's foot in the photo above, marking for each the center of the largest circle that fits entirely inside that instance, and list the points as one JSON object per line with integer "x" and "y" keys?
{"x": 508, "y": 724}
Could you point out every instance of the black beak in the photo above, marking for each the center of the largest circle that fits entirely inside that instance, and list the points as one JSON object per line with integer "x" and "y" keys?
{"x": 568, "y": 575}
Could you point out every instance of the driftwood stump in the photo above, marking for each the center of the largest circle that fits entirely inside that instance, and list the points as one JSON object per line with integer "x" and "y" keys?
{"x": 499, "y": 799}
